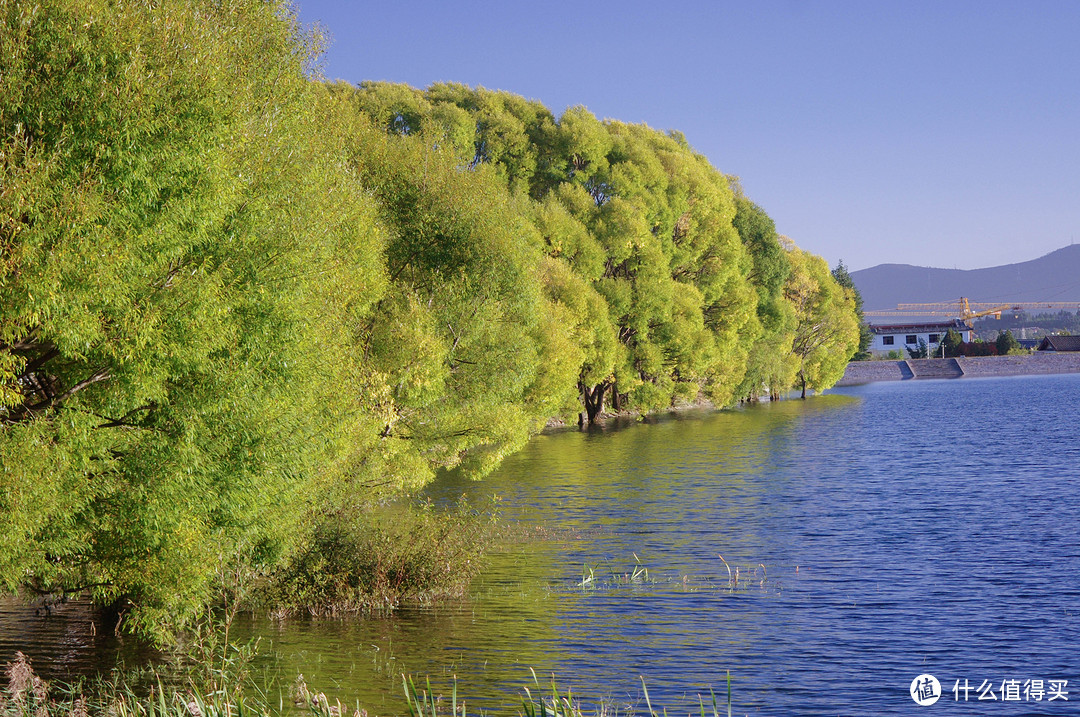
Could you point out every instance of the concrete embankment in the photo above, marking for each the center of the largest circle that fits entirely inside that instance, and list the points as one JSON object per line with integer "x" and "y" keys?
{"x": 964, "y": 367}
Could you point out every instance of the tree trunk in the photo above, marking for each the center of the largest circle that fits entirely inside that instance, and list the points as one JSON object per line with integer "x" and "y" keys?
{"x": 593, "y": 399}
{"x": 802, "y": 378}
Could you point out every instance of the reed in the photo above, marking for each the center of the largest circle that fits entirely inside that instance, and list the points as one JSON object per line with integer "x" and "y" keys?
{"x": 27, "y": 695}
{"x": 538, "y": 701}
{"x": 641, "y": 573}
{"x": 638, "y": 573}
{"x": 588, "y": 577}
{"x": 739, "y": 577}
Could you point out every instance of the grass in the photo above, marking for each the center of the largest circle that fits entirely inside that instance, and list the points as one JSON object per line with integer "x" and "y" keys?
{"x": 638, "y": 574}
{"x": 743, "y": 577}
{"x": 27, "y": 695}
{"x": 556, "y": 702}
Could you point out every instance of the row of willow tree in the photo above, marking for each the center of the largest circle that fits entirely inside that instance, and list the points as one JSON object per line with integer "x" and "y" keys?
{"x": 235, "y": 299}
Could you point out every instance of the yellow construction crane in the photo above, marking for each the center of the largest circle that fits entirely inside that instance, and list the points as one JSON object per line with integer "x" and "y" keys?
{"x": 967, "y": 311}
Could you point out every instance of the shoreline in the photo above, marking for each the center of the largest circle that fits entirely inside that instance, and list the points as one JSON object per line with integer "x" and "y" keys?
{"x": 615, "y": 419}
{"x": 1037, "y": 364}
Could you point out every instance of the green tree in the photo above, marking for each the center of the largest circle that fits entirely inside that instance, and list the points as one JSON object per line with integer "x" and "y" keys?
{"x": 770, "y": 366}
{"x": 827, "y": 330}
{"x": 457, "y": 336}
{"x": 840, "y": 273}
{"x": 673, "y": 273}
{"x": 646, "y": 220}
{"x": 184, "y": 260}
{"x": 1006, "y": 343}
{"x": 953, "y": 343}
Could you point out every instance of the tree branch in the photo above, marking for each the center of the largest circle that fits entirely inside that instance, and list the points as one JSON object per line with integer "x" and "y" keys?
{"x": 28, "y": 412}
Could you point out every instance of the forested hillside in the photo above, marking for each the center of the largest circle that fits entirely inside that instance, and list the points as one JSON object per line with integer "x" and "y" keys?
{"x": 237, "y": 303}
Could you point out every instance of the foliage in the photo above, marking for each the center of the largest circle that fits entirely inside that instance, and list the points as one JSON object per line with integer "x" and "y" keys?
{"x": 770, "y": 366}
{"x": 978, "y": 348}
{"x": 636, "y": 214}
{"x": 180, "y": 235}
{"x": 238, "y": 305}
{"x": 423, "y": 702}
{"x": 955, "y": 346}
{"x": 953, "y": 343}
{"x": 27, "y": 695}
{"x": 458, "y": 337}
{"x": 1036, "y": 325}
{"x": 1006, "y": 343}
{"x": 827, "y": 330}
{"x": 373, "y": 558}
{"x": 866, "y": 337}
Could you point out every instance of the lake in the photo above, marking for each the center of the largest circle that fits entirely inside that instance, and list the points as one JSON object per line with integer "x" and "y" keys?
{"x": 879, "y": 533}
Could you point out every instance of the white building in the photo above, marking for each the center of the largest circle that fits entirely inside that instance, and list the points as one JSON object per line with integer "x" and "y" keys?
{"x": 898, "y": 337}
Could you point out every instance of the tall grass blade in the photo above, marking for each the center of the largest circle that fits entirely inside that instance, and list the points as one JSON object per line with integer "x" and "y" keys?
{"x": 726, "y": 566}
{"x": 648, "y": 703}
{"x": 528, "y": 707}
{"x": 729, "y": 693}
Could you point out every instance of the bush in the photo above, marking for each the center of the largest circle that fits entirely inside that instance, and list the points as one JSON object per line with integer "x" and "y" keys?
{"x": 953, "y": 343}
{"x": 366, "y": 558}
{"x": 978, "y": 348}
{"x": 1006, "y": 343}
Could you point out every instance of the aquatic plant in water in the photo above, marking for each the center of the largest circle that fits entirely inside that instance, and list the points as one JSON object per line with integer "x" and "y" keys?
{"x": 232, "y": 695}
{"x": 555, "y": 703}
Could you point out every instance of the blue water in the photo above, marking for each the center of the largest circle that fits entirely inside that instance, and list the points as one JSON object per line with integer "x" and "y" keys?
{"x": 879, "y": 532}
{"x": 906, "y": 528}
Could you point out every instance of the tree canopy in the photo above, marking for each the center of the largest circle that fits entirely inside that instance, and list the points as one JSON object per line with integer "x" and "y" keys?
{"x": 236, "y": 301}
{"x": 826, "y": 327}
{"x": 843, "y": 277}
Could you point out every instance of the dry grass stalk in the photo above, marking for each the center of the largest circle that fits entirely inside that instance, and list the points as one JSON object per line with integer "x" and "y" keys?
{"x": 26, "y": 692}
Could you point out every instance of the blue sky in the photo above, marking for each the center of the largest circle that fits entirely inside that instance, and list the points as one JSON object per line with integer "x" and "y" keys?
{"x": 941, "y": 133}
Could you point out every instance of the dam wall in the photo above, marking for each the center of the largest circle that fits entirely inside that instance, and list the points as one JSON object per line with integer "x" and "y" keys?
{"x": 1045, "y": 362}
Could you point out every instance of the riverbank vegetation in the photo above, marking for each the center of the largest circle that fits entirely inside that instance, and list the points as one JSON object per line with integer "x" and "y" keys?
{"x": 24, "y": 694}
{"x": 240, "y": 306}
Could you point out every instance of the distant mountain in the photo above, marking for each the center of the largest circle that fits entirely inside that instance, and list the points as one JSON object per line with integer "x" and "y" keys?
{"x": 1054, "y": 277}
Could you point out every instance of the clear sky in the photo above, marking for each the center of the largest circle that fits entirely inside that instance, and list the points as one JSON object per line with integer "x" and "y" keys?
{"x": 940, "y": 133}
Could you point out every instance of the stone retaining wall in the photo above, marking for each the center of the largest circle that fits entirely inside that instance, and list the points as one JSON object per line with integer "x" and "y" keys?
{"x": 1038, "y": 363}
{"x": 870, "y": 371}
